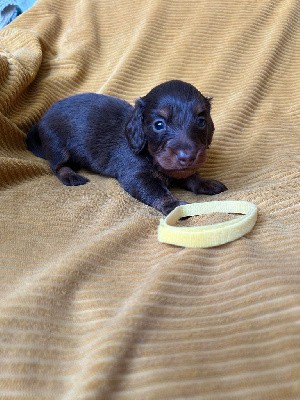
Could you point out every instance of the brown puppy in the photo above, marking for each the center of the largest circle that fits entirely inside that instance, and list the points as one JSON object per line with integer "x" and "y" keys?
{"x": 160, "y": 142}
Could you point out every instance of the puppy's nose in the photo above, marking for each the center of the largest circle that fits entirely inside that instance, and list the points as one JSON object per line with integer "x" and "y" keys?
{"x": 185, "y": 157}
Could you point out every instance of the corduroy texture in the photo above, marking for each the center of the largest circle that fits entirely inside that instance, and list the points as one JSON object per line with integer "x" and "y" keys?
{"x": 92, "y": 305}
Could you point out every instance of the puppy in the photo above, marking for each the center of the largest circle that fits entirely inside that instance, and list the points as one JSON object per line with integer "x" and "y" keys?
{"x": 159, "y": 142}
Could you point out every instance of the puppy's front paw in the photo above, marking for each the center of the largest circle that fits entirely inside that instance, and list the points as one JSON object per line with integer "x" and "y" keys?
{"x": 210, "y": 187}
{"x": 168, "y": 207}
{"x": 199, "y": 185}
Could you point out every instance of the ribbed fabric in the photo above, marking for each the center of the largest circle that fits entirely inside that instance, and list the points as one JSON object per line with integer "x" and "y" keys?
{"x": 92, "y": 305}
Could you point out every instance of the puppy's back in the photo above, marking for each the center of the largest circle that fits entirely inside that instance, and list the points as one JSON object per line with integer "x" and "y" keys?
{"x": 80, "y": 118}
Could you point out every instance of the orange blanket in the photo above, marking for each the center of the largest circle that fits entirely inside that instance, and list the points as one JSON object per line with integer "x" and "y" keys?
{"x": 92, "y": 305}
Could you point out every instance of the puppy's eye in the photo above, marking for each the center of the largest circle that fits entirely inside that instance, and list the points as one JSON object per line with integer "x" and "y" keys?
{"x": 201, "y": 122}
{"x": 159, "y": 125}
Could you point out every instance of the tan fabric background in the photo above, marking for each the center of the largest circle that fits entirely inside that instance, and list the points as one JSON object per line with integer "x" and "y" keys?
{"x": 92, "y": 306}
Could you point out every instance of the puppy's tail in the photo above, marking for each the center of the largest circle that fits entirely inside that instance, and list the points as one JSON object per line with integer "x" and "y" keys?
{"x": 33, "y": 142}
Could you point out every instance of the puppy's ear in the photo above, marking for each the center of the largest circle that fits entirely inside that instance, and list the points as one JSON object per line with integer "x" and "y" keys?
{"x": 210, "y": 124}
{"x": 134, "y": 129}
{"x": 208, "y": 102}
{"x": 210, "y": 130}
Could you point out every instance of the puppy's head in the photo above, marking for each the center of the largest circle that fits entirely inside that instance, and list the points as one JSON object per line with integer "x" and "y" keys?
{"x": 173, "y": 122}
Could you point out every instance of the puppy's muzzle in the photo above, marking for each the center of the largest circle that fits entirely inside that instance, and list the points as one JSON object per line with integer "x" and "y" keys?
{"x": 189, "y": 157}
{"x": 185, "y": 158}
{"x": 180, "y": 162}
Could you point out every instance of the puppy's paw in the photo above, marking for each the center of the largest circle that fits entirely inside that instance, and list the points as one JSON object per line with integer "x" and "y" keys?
{"x": 75, "y": 180}
{"x": 210, "y": 187}
{"x": 168, "y": 207}
{"x": 70, "y": 178}
{"x": 199, "y": 185}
